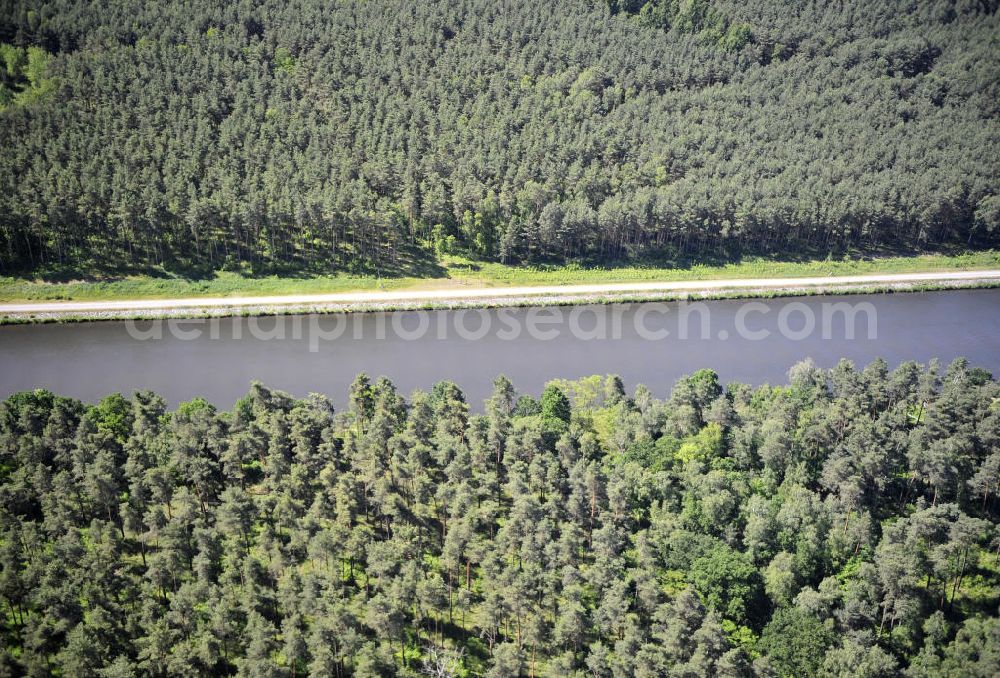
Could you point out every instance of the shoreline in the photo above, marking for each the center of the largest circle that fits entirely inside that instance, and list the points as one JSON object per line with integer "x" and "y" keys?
{"x": 496, "y": 297}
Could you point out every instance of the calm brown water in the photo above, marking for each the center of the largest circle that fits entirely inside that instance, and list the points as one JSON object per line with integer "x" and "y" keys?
{"x": 415, "y": 350}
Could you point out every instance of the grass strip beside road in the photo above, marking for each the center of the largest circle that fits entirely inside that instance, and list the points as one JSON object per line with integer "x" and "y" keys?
{"x": 465, "y": 274}
{"x": 487, "y": 296}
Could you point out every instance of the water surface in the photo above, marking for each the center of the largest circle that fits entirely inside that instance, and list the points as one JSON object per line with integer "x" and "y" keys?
{"x": 90, "y": 360}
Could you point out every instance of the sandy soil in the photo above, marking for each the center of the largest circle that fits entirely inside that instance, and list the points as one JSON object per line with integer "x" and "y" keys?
{"x": 481, "y": 295}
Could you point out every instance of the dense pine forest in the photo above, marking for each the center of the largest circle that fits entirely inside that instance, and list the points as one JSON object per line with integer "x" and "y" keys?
{"x": 842, "y": 525}
{"x": 369, "y": 136}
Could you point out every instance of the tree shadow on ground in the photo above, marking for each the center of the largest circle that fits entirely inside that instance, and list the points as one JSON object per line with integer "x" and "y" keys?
{"x": 409, "y": 262}
{"x": 669, "y": 259}
{"x": 415, "y": 261}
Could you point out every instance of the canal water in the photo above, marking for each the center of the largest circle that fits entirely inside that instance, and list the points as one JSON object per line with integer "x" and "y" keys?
{"x": 752, "y": 341}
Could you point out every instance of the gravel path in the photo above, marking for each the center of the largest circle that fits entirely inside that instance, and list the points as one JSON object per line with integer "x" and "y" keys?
{"x": 493, "y": 295}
